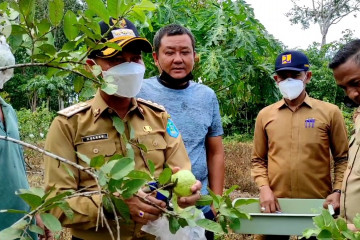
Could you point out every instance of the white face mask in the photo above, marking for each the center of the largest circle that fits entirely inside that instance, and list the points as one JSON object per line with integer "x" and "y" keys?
{"x": 291, "y": 88}
{"x": 128, "y": 77}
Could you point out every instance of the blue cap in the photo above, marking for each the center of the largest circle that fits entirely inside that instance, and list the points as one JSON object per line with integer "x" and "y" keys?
{"x": 293, "y": 61}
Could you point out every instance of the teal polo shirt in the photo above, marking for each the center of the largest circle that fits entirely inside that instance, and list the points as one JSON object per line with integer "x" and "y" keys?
{"x": 12, "y": 168}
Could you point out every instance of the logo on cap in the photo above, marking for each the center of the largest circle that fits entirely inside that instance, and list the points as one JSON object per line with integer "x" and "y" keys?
{"x": 286, "y": 59}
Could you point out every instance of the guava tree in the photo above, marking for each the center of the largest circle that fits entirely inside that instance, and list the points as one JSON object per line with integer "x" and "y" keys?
{"x": 116, "y": 178}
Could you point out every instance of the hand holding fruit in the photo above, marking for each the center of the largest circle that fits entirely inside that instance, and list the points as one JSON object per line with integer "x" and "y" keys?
{"x": 187, "y": 187}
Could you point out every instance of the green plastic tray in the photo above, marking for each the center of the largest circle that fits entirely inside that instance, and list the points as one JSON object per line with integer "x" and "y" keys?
{"x": 296, "y": 216}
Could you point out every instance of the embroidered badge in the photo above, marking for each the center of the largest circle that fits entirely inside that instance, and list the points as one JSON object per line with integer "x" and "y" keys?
{"x": 286, "y": 59}
{"x": 147, "y": 129}
{"x": 171, "y": 129}
{"x": 95, "y": 137}
{"x": 310, "y": 123}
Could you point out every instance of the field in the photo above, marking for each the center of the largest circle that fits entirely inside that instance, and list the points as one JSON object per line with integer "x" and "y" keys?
{"x": 237, "y": 173}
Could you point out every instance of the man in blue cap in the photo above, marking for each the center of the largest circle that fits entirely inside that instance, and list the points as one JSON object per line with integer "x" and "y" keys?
{"x": 294, "y": 141}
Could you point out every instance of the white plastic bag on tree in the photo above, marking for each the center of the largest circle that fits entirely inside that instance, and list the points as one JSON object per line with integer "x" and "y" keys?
{"x": 6, "y": 59}
{"x": 160, "y": 229}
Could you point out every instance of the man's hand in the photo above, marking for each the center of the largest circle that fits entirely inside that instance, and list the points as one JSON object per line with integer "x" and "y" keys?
{"x": 142, "y": 212}
{"x": 184, "y": 202}
{"x": 48, "y": 235}
{"x": 268, "y": 201}
{"x": 334, "y": 200}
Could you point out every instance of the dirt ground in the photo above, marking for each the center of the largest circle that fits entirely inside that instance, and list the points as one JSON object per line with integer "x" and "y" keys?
{"x": 237, "y": 172}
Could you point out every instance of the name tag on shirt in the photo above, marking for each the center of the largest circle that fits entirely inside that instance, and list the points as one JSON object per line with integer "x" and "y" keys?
{"x": 95, "y": 137}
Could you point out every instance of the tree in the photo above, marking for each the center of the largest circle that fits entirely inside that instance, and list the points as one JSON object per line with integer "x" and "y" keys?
{"x": 322, "y": 12}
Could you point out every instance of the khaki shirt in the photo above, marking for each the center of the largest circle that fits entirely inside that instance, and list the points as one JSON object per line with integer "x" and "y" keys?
{"x": 292, "y": 150}
{"x": 350, "y": 197}
{"x": 90, "y": 131}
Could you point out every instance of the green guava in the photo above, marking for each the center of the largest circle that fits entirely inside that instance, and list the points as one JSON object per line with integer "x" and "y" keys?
{"x": 185, "y": 180}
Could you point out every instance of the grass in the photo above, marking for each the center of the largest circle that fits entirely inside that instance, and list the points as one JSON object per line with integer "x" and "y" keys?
{"x": 237, "y": 172}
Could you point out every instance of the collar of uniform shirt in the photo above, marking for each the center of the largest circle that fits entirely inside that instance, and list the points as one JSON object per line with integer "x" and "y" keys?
{"x": 282, "y": 103}
{"x": 98, "y": 106}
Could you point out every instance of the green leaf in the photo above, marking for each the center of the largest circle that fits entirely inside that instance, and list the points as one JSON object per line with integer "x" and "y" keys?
{"x": 10, "y": 233}
{"x": 78, "y": 83}
{"x": 135, "y": 174}
{"x": 319, "y": 221}
{"x": 223, "y": 222}
{"x": 151, "y": 167}
{"x": 27, "y": 9}
{"x": 204, "y": 200}
{"x": 216, "y": 198}
{"x": 114, "y": 185}
{"x": 70, "y": 29}
{"x": 115, "y": 8}
{"x": 142, "y": 147}
{"x": 67, "y": 169}
{"x": 235, "y": 224}
{"x": 165, "y": 176}
{"x": 58, "y": 197}
{"x": 56, "y": 11}
{"x": 122, "y": 208}
{"x": 174, "y": 225}
{"x": 102, "y": 178}
{"x": 310, "y": 232}
{"x": 65, "y": 207}
{"x": 34, "y": 228}
{"x": 97, "y": 162}
{"x": 210, "y": 225}
{"x": 138, "y": 14}
{"x": 241, "y": 202}
{"x": 83, "y": 157}
{"x": 48, "y": 49}
{"x": 145, "y": 5}
{"x": 324, "y": 234}
{"x": 98, "y": 7}
{"x": 341, "y": 224}
{"x": 356, "y": 221}
{"x": 116, "y": 157}
{"x": 43, "y": 26}
{"x": 130, "y": 151}
{"x": 31, "y": 199}
{"x": 51, "y": 222}
{"x": 183, "y": 222}
{"x": 13, "y": 211}
{"x": 118, "y": 124}
{"x": 122, "y": 168}
{"x": 132, "y": 186}
{"x": 230, "y": 190}
{"x": 109, "y": 88}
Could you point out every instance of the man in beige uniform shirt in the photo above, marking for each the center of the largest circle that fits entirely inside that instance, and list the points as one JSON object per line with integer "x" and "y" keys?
{"x": 294, "y": 140}
{"x": 346, "y": 69}
{"x": 88, "y": 128}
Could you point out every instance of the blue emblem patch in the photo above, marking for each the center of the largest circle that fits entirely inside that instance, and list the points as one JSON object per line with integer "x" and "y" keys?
{"x": 171, "y": 129}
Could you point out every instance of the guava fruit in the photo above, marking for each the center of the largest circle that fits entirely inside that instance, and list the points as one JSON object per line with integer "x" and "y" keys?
{"x": 185, "y": 180}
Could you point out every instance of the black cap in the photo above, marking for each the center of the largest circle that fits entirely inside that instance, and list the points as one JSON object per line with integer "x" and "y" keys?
{"x": 292, "y": 60}
{"x": 123, "y": 33}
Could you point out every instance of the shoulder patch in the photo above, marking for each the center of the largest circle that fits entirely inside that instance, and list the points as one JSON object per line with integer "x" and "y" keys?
{"x": 70, "y": 111}
{"x": 171, "y": 129}
{"x": 151, "y": 104}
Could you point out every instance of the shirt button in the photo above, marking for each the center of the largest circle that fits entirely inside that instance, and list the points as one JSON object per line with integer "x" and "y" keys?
{"x": 155, "y": 143}
{"x": 95, "y": 150}
{"x": 110, "y": 110}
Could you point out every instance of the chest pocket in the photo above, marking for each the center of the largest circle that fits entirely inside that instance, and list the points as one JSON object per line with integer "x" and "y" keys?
{"x": 153, "y": 142}
{"x": 106, "y": 148}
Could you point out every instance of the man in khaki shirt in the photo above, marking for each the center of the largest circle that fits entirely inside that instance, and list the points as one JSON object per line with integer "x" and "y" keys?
{"x": 88, "y": 128}
{"x": 294, "y": 140}
{"x": 346, "y": 69}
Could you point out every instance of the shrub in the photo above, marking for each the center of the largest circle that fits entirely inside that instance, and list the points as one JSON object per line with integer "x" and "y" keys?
{"x": 34, "y": 126}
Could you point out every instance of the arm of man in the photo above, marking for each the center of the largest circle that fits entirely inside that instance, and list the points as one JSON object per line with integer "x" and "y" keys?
{"x": 339, "y": 149}
{"x": 259, "y": 171}
{"x": 216, "y": 163}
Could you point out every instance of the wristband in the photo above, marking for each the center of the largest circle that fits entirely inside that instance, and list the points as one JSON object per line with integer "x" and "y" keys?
{"x": 337, "y": 191}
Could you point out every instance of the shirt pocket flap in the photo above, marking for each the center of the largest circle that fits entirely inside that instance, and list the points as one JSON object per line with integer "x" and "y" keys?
{"x": 153, "y": 142}
{"x": 92, "y": 149}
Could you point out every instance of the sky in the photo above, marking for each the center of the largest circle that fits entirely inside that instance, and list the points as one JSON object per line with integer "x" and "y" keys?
{"x": 271, "y": 13}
